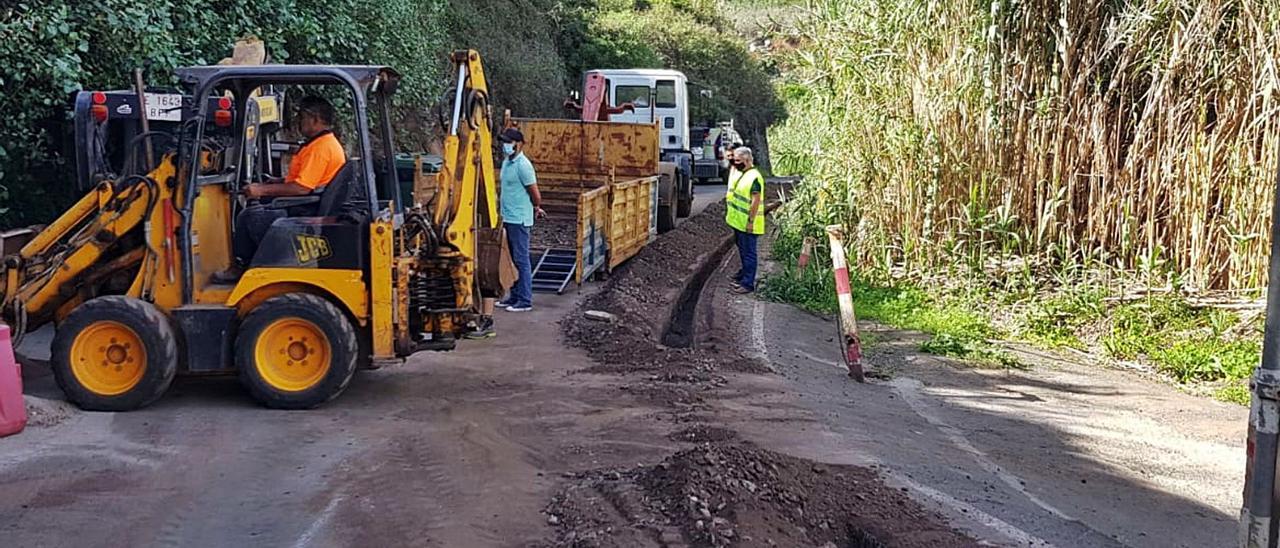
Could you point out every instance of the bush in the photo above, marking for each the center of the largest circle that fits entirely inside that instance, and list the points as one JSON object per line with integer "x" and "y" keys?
{"x": 534, "y": 52}
{"x": 49, "y": 50}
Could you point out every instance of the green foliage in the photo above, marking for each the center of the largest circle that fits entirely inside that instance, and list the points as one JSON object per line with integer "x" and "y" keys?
{"x": 1186, "y": 343}
{"x": 1056, "y": 321}
{"x": 689, "y": 36}
{"x": 49, "y": 50}
{"x": 1236, "y": 392}
{"x": 956, "y": 329}
{"x": 534, "y": 52}
{"x": 963, "y": 133}
{"x": 520, "y": 45}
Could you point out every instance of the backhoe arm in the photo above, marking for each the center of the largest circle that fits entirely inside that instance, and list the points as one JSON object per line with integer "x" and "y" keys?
{"x": 466, "y": 198}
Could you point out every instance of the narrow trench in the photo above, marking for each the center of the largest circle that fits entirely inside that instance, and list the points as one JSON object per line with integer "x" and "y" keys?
{"x": 861, "y": 539}
{"x": 681, "y": 331}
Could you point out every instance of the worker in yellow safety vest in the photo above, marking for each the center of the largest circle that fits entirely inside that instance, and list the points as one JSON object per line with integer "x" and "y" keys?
{"x": 744, "y": 212}
{"x": 733, "y": 172}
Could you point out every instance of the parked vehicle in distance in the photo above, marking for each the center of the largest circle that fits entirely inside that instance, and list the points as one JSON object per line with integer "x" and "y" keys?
{"x": 710, "y": 146}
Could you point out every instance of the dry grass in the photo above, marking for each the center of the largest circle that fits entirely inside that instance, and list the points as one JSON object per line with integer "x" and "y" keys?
{"x": 1134, "y": 136}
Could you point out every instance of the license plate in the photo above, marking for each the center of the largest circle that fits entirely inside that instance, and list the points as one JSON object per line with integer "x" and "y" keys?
{"x": 165, "y": 107}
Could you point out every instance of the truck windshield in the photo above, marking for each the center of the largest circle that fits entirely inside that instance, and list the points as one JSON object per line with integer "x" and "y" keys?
{"x": 666, "y": 97}
{"x": 636, "y": 95}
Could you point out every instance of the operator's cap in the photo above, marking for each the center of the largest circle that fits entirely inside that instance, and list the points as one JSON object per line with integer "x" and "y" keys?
{"x": 511, "y": 135}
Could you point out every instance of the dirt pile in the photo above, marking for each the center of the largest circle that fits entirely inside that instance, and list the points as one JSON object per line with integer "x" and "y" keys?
{"x": 554, "y": 233}
{"x": 736, "y": 494}
{"x": 643, "y": 294}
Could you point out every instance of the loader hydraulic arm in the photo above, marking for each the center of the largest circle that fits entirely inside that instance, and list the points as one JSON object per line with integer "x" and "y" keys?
{"x": 79, "y": 249}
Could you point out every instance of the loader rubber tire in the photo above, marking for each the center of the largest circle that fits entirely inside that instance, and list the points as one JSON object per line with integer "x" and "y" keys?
{"x": 114, "y": 353}
{"x": 296, "y": 351}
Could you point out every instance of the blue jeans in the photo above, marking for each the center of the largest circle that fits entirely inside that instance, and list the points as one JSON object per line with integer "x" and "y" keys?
{"x": 518, "y": 243}
{"x": 747, "y": 254}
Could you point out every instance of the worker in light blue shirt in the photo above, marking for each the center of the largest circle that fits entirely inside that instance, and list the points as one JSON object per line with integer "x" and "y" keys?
{"x": 521, "y": 204}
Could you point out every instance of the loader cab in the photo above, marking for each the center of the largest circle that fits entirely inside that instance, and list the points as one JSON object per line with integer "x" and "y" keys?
{"x": 242, "y": 130}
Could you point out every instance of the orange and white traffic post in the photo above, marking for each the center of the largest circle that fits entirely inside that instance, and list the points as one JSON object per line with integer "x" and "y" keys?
{"x": 850, "y": 343}
{"x": 806, "y": 251}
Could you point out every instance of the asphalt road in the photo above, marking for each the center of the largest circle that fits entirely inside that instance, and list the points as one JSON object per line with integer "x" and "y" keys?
{"x": 466, "y": 448}
{"x": 1063, "y": 454}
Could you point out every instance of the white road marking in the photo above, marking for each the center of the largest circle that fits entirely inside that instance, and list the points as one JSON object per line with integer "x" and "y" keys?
{"x": 813, "y": 358}
{"x": 757, "y": 331}
{"x": 998, "y": 525}
{"x": 319, "y": 524}
{"x": 909, "y": 390}
{"x": 960, "y": 508}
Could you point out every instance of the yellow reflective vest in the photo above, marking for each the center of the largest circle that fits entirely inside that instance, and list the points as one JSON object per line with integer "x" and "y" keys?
{"x": 738, "y": 202}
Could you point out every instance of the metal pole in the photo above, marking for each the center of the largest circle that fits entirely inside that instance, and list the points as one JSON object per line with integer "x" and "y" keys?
{"x": 457, "y": 98}
{"x": 141, "y": 89}
{"x": 1257, "y": 523}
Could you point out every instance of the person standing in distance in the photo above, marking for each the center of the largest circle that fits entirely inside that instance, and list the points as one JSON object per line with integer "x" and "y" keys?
{"x": 744, "y": 212}
{"x": 521, "y": 204}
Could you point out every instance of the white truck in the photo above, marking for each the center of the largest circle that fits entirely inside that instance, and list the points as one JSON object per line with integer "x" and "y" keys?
{"x": 660, "y": 96}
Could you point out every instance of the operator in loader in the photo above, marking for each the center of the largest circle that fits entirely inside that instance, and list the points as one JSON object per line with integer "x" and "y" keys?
{"x": 313, "y": 167}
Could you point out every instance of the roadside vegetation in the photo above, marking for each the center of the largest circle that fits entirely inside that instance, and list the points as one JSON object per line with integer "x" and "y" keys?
{"x": 534, "y": 53}
{"x": 1094, "y": 177}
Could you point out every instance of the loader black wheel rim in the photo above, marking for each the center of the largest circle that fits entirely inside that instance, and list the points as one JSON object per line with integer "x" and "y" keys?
{"x": 292, "y": 354}
{"x": 108, "y": 358}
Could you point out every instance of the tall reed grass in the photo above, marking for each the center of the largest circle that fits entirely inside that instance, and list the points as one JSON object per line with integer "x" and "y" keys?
{"x": 1137, "y": 136}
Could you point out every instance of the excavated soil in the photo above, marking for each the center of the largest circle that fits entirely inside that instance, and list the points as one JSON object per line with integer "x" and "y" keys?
{"x": 557, "y": 233}
{"x": 722, "y": 494}
{"x": 703, "y": 433}
{"x": 643, "y": 294}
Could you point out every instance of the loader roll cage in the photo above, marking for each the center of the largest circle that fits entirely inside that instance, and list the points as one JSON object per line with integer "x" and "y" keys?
{"x": 241, "y": 81}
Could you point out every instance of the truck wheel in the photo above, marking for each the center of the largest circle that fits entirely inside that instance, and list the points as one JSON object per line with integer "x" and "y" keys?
{"x": 666, "y": 218}
{"x": 667, "y": 193}
{"x": 684, "y": 204}
{"x": 296, "y": 351}
{"x": 114, "y": 354}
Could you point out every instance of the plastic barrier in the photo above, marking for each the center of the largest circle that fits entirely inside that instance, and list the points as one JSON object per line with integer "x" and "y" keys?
{"x": 13, "y": 410}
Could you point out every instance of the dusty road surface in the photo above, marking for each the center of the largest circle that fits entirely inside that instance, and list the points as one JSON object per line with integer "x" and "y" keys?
{"x": 568, "y": 432}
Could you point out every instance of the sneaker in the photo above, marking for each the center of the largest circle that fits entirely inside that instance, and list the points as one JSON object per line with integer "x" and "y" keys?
{"x": 520, "y": 308}
{"x": 739, "y": 289}
{"x": 483, "y": 331}
{"x": 503, "y": 303}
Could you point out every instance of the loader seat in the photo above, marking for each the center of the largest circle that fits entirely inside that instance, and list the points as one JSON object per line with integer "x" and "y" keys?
{"x": 343, "y": 197}
{"x": 336, "y": 218}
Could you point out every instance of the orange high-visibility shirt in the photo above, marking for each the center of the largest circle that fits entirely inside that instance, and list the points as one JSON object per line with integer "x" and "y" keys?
{"x": 318, "y": 161}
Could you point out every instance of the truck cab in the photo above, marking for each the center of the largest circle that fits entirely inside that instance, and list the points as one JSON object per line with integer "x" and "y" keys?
{"x": 659, "y": 96}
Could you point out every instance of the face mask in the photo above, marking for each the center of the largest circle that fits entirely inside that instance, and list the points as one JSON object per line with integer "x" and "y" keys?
{"x": 508, "y": 148}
